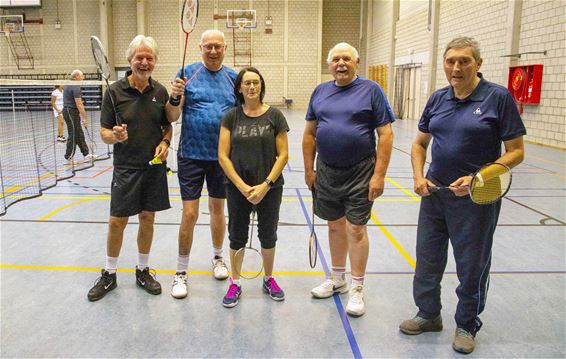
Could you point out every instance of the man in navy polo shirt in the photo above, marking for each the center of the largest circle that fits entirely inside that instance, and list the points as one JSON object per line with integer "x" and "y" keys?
{"x": 468, "y": 120}
{"x": 343, "y": 119}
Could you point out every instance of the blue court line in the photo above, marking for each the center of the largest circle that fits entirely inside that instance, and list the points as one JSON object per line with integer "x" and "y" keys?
{"x": 341, "y": 312}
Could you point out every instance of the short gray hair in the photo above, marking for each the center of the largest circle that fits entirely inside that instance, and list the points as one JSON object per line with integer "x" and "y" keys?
{"x": 139, "y": 42}
{"x": 76, "y": 73}
{"x": 343, "y": 46}
{"x": 463, "y": 42}
{"x": 212, "y": 32}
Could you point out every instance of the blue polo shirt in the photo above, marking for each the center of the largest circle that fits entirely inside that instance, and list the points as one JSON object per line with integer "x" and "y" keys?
{"x": 208, "y": 94}
{"x": 468, "y": 133}
{"x": 347, "y": 118}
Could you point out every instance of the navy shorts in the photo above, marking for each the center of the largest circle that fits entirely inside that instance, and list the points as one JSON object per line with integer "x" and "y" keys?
{"x": 343, "y": 191}
{"x": 136, "y": 190}
{"x": 192, "y": 174}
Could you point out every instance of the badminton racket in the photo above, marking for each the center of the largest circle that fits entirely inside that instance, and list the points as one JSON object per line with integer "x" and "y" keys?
{"x": 189, "y": 16}
{"x": 249, "y": 261}
{"x": 489, "y": 184}
{"x": 90, "y": 140}
{"x": 102, "y": 63}
{"x": 313, "y": 239}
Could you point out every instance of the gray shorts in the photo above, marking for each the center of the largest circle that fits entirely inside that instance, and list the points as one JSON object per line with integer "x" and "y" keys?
{"x": 343, "y": 191}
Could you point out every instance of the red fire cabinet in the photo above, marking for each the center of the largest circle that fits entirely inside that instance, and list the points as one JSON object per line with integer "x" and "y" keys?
{"x": 524, "y": 83}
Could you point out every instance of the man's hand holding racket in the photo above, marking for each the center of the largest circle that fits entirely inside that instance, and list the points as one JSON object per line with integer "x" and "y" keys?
{"x": 310, "y": 178}
{"x": 178, "y": 89}
{"x": 460, "y": 187}
{"x": 422, "y": 185}
{"x": 161, "y": 151}
{"x": 376, "y": 187}
{"x": 120, "y": 133}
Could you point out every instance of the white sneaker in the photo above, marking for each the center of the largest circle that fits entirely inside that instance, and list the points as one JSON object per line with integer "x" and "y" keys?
{"x": 329, "y": 287}
{"x": 219, "y": 268}
{"x": 356, "y": 306}
{"x": 179, "y": 289}
{"x": 89, "y": 157}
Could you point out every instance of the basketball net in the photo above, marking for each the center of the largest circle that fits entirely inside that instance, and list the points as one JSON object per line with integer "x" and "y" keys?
{"x": 7, "y": 30}
{"x": 241, "y": 22}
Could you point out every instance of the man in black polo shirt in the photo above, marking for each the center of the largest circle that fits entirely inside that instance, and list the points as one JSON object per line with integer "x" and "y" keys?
{"x": 137, "y": 187}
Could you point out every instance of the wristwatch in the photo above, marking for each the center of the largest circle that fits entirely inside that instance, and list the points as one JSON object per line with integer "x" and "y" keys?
{"x": 269, "y": 182}
{"x": 167, "y": 142}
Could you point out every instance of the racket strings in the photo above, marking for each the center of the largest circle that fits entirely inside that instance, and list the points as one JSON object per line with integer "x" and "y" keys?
{"x": 486, "y": 191}
{"x": 250, "y": 259}
{"x": 190, "y": 15}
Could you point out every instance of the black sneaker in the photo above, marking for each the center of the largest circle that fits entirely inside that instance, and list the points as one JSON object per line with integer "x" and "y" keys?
{"x": 147, "y": 281}
{"x": 103, "y": 285}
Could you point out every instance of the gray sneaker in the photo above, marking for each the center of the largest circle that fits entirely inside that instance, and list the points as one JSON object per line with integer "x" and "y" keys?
{"x": 418, "y": 325}
{"x": 464, "y": 341}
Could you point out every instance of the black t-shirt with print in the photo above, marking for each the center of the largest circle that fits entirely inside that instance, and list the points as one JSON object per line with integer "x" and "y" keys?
{"x": 252, "y": 143}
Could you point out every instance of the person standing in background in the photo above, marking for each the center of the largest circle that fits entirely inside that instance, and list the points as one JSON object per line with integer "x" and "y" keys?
{"x": 74, "y": 114}
{"x": 57, "y": 105}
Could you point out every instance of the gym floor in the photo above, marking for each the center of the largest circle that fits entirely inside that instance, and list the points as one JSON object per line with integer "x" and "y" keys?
{"x": 52, "y": 248}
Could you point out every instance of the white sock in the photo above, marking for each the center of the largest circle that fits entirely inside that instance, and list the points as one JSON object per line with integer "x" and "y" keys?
{"x": 143, "y": 260}
{"x": 357, "y": 281}
{"x": 217, "y": 252}
{"x": 266, "y": 277}
{"x": 339, "y": 273}
{"x": 111, "y": 264}
{"x": 236, "y": 282}
{"x": 183, "y": 263}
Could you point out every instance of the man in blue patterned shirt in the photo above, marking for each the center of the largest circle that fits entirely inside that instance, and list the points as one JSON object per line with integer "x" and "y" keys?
{"x": 204, "y": 92}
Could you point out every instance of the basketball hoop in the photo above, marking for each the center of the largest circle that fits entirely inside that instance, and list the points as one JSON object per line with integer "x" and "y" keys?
{"x": 242, "y": 22}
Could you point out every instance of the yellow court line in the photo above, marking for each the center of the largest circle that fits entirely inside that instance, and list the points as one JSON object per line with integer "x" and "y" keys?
{"x": 106, "y": 197}
{"x": 415, "y": 198}
{"x": 91, "y": 198}
{"x": 131, "y": 270}
{"x": 62, "y": 209}
{"x": 394, "y": 242}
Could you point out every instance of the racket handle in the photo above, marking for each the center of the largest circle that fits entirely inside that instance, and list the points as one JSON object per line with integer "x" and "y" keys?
{"x": 433, "y": 189}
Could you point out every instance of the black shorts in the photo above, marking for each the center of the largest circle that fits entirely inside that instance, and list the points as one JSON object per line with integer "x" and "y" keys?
{"x": 136, "y": 190}
{"x": 192, "y": 173}
{"x": 343, "y": 191}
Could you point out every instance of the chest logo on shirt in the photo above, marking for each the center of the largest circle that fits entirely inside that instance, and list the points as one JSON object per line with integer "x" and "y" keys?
{"x": 477, "y": 111}
{"x": 154, "y": 100}
{"x": 255, "y": 130}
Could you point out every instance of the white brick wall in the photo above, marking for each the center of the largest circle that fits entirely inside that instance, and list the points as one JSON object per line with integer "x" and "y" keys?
{"x": 542, "y": 28}
{"x": 339, "y": 24}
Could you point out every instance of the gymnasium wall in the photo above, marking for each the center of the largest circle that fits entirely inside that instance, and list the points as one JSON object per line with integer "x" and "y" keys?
{"x": 289, "y": 57}
{"x": 540, "y": 26}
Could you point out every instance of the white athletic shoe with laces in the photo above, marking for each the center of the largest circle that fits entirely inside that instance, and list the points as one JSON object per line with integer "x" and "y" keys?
{"x": 179, "y": 289}
{"x": 219, "y": 268}
{"x": 356, "y": 306}
{"x": 329, "y": 287}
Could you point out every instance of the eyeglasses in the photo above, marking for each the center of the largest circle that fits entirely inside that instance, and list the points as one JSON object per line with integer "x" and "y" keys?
{"x": 210, "y": 47}
{"x": 256, "y": 83}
